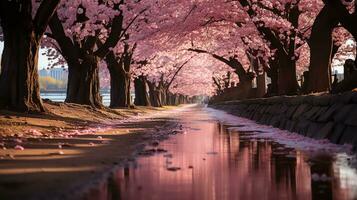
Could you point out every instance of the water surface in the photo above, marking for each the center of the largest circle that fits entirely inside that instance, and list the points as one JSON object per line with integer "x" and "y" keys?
{"x": 210, "y": 161}
{"x": 61, "y": 97}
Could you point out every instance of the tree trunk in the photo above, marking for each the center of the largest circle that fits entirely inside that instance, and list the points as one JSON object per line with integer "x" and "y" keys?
{"x": 171, "y": 99}
{"x": 163, "y": 93}
{"x": 141, "y": 95}
{"x": 181, "y": 99}
{"x": 83, "y": 83}
{"x": 22, "y": 32}
{"x": 261, "y": 85}
{"x": 128, "y": 76}
{"x": 19, "y": 86}
{"x": 119, "y": 86}
{"x": 176, "y": 100}
{"x": 272, "y": 73}
{"x": 155, "y": 96}
{"x": 321, "y": 43}
{"x": 287, "y": 82}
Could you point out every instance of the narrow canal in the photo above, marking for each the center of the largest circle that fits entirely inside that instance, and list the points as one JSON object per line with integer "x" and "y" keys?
{"x": 215, "y": 159}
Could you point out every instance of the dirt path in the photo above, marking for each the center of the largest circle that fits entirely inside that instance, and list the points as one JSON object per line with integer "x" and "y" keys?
{"x": 44, "y": 157}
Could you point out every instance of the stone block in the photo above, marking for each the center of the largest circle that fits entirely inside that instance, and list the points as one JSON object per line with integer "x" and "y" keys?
{"x": 290, "y": 125}
{"x": 264, "y": 119}
{"x": 309, "y": 99}
{"x": 297, "y": 100}
{"x": 257, "y": 116}
{"x": 277, "y": 109}
{"x": 346, "y": 97}
{"x": 263, "y": 109}
{"x": 320, "y": 112}
{"x": 351, "y": 118}
{"x": 323, "y": 100}
{"x": 275, "y": 121}
{"x": 291, "y": 110}
{"x": 328, "y": 115}
{"x": 282, "y": 124}
{"x": 313, "y": 129}
{"x": 283, "y": 108}
{"x": 342, "y": 113}
{"x": 354, "y": 97}
{"x": 310, "y": 113}
{"x": 325, "y": 131}
{"x": 337, "y": 133}
{"x": 302, "y": 126}
{"x": 301, "y": 110}
{"x": 349, "y": 135}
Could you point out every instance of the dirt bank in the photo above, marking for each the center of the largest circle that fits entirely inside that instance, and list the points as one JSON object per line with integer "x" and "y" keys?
{"x": 55, "y": 154}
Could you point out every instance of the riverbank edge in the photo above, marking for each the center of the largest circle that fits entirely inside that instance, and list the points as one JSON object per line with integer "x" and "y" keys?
{"x": 95, "y": 155}
{"x": 64, "y": 117}
{"x": 318, "y": 116}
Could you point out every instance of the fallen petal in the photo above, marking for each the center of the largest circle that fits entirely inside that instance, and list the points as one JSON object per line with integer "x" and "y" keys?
{"x": 18, "y": 147}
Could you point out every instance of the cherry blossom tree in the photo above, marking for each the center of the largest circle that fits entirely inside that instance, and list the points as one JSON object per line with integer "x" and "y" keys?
{"x": 75, "y": 29}
{"x": 84, "y": 32}
{"x": 23, "y": 25}
{"x": 284, "y": 26}
{"x": 164, "y": 71}
{"x": 120, "y": 76}
{"x": 346, "y": 14}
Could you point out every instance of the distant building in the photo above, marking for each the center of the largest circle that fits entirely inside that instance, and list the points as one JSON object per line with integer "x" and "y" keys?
{"x": 60, "y": 74}
{"x": 44, "y": 73}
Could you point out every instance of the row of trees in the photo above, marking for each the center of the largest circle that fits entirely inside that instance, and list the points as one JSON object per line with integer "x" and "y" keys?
{"x": 80, "y": 33}
{"x": 280, "y": 38}
{"x": 170, "y": 47}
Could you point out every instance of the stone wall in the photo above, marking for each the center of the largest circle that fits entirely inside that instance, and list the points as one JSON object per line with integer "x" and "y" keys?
{"x": 332, "y": 117}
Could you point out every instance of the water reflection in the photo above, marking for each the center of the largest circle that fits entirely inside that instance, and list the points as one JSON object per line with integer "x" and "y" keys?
{"x": 213, "y": 162}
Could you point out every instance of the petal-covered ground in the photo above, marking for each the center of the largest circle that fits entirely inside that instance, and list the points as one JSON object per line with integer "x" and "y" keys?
{"x": 49, "y": 157}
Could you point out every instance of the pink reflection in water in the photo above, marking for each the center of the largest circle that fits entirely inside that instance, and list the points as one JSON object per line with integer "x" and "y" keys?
{"x": 227, "y": 166}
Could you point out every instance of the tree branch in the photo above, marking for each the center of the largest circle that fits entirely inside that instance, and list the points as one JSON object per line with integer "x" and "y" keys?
{"x": 220, "y": 58}
{"x": 266, "y": 32}
{"x": 176, "y": 73}
{"x": 116, "y": 34}
{"x": 44, "y": 15}
{"x": 63, "y": 41}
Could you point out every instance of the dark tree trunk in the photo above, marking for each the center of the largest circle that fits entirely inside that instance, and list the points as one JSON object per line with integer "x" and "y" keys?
{"x": 128, "y": 90}
{"x": 120, "y": 90}
{"x": 119, "y": 69}
{"x": 171, "y": 99}
{"x": 141, "y": 95}
{"x": 163, "y": 93}
{"x": 22, "y": 33}
{"x": 83, "y": 73}
{"x": 19, "y": 86}
{"x": 287, "y": 81}
{"x": 259, "y": 77}
{"x": 181, "y": 99}
{"x": 272, "y": 73}
{"x": 83, "y": 57}
{"x": 83, "y": 83}
{"x": 155, "y": 96}
{"x": 261, "y": 85}
{"x": 119, "y": 85}
{"x": 321, "y": 44}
